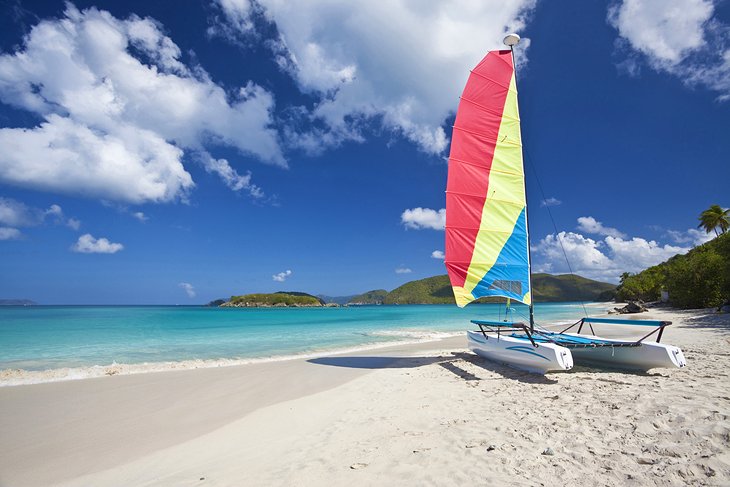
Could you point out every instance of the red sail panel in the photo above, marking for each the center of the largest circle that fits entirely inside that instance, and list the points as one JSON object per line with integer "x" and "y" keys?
{"x": 473, "y": 141}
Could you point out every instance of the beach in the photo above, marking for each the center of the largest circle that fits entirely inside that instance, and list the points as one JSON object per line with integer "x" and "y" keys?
{"x": 417, "y": 414}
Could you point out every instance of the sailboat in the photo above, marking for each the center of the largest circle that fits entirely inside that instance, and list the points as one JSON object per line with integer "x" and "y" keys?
{"x": 487, "y": 239}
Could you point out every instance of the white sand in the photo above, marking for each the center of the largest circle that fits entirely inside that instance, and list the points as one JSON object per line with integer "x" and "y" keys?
{"x": 440, "y": 417}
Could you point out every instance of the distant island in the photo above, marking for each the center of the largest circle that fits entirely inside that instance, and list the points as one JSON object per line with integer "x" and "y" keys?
{"x": 17, "y": 302}
{"x": 282, "y": 299}
{"x": 431, "y": 290}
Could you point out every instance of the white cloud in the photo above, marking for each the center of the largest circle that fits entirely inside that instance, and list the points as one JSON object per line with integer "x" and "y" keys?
{"x": 637, "y": 254}
{"x": 590, "y": 225}
{"x": 403, "y": 270}
{"x": 438, "y": 254}
{"x": 237, "y": 19}
{"x": 55, "y": 210}
{"x": 140, "y": 216}
{"x": 665, "y": 30}
{"x": 17, "y": 214}
{"x": 188, "y": 288}
{"x": 691, "y": 236}
{"x": 603, "y": 260}
{"x": 7, "y": 233}
{"x": 119, "y": 109}
{"x": 679, "y": 37}
{"x": 87, "y": 244}
{"x": 550, "y": 202}
{"x": 418, "y": 218}
{"x": 64, "y": 156}
{"x": 230, "y": 177}
{"x": 73, "y": 223}
{"x": 400, "y": 63}
{"x": 584, "y": 254}
{"x": 282, "y": 276}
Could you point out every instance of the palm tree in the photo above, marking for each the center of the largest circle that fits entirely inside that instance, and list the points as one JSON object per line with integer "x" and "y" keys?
{"x": 714, "y": 217}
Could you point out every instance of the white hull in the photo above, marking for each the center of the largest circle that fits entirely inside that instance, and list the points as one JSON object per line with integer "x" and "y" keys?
{"x": 649, "y": 355}
{"x": 547, "y": 357}
{"x": 520, "y": 353}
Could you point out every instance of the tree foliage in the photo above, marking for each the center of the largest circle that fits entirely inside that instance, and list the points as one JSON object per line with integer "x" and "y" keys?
{"x": 713, "y": 218}
{"x": 699, "y": 279}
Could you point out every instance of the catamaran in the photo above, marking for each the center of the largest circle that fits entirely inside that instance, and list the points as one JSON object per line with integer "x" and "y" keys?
{"x": 487, "y": 240}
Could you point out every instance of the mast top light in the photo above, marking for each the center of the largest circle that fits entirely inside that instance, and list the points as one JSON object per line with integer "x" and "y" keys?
{"x": 511, "y": 40}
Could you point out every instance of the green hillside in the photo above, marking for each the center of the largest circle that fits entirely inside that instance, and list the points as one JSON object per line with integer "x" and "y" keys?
{"x": 569, "y": 287}
{"x": 546, "y": 288}
{"x": 432, "y": 290}
{"x": 301, "y": 294}
{"x": 698, "y": 279}
{"x": 376, "y": 296}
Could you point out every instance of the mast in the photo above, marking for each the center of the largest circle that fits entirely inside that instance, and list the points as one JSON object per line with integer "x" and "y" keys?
{"x": 511, "y": 41}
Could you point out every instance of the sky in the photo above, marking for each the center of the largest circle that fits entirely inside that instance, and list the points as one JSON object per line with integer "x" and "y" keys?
{"x": 178, "y": 152}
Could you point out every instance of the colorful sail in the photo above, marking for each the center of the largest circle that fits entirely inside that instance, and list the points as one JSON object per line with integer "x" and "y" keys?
{"x": 486, "y": 221}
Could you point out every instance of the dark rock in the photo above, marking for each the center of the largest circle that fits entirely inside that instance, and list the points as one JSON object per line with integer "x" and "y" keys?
{"x": 632, "y": 307}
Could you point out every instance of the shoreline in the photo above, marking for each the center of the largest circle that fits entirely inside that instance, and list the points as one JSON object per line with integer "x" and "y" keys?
{"x": 18, "y": 377}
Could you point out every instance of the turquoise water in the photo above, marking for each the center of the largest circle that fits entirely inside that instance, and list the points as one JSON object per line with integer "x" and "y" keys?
{"x": 50, "y": 337}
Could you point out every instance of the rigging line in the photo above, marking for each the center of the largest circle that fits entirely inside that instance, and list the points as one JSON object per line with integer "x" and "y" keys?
{"x": 555, "y": 227}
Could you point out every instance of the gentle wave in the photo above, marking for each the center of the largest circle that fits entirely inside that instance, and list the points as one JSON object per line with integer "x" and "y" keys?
{"x": 17, "y": 377}
{"x": 416, "y": 334}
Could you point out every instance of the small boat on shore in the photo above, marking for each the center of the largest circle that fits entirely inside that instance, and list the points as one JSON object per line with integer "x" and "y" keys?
{"x": 487, "y": 238}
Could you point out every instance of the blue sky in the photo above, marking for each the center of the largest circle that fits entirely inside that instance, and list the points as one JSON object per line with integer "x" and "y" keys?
{"x": 177, "y": 152}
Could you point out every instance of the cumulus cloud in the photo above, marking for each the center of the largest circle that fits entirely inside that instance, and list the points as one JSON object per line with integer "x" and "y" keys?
{"x": 419, "y": 218}
{"x": 590, "y": 225}
{"x": 87, "y": 244}
{"x": 403, "y": 270}
{"x": 118, "y": 110}
{"x": 140, "y": 216}
{"x": 188, "y": 288}
{"x": 399, "y": 63}
{"x": 438, "y": 254}
{"x": 637, "y": 253}
{"x": 603, "y": 260}
{"x": 7, "y": 233}
{"x": 282, "y": 276}
{"x": 550, "y": 202}
{"x": 679, "y": 37}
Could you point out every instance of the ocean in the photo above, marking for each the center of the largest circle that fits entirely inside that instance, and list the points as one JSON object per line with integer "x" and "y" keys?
{"x": 87, "y": 340}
